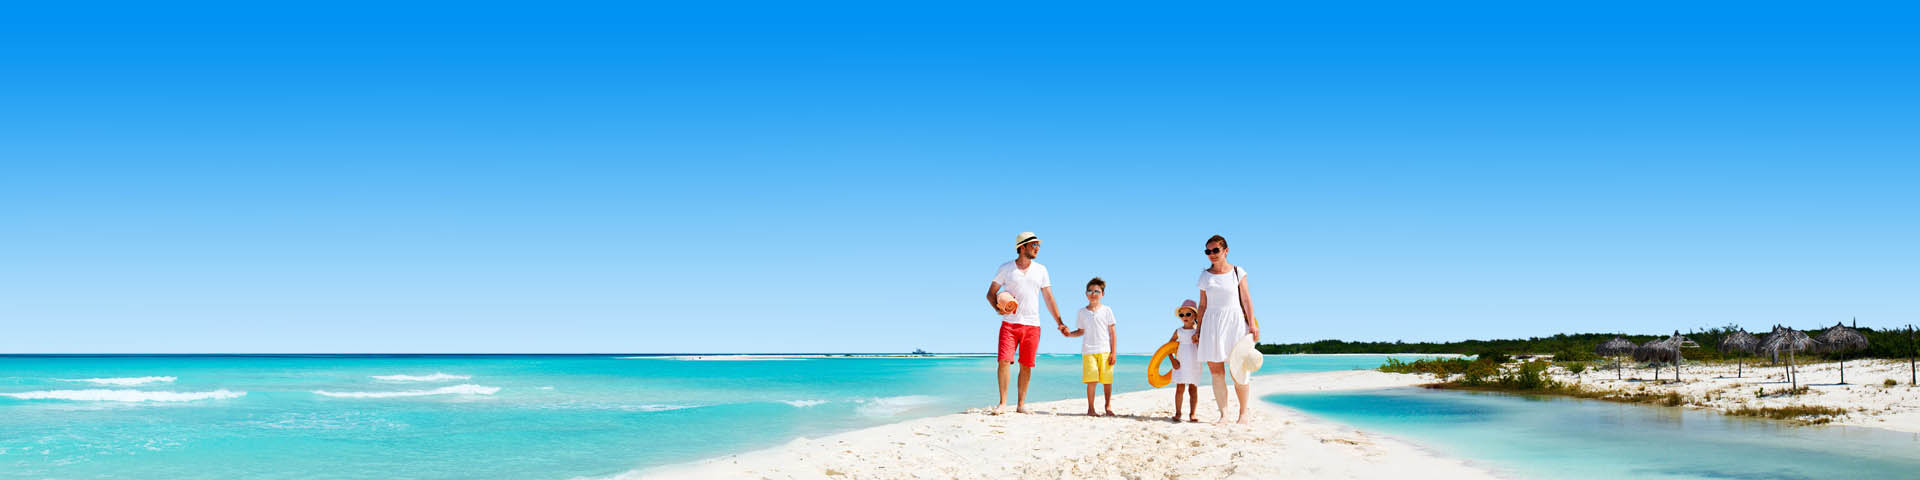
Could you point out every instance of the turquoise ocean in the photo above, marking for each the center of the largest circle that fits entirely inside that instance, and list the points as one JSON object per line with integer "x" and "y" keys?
{"x": 494, "y": 416}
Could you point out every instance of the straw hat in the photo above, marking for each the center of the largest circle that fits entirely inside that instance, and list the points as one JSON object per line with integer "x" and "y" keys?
{"x": 1025, "y": 238}
{"x": 1244, "y": 360}
{"x": 1187, "y": 305}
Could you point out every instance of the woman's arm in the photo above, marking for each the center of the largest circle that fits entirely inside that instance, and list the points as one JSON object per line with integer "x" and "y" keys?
{"x": 1246, "y": 304}
{"x": 1197, "y": 316}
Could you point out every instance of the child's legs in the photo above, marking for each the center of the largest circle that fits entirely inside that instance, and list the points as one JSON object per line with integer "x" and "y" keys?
{"x": 1178, "y": 392}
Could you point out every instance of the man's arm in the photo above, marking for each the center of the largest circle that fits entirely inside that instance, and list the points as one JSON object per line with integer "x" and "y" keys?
{"x": 1052, "y": 307}
{"x": 993, "y": 291}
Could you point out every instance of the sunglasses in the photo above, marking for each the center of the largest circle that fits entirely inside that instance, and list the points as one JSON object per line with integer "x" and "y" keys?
{"x": 1211, "y": 251}
{"x": 1186, "y": 315}
{"x": 1092, "y": 292}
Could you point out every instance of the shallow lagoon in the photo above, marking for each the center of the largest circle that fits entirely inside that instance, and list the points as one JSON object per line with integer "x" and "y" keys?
{"x": 1546, "y": 437}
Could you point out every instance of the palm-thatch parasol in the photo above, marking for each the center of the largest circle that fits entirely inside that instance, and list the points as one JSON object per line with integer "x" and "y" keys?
{"x": 1615, "y": 348}
{"x": 1665, "y": 350}
{"x": 1739, "y": 342}
{"x": 1840, "y": 339}
{"x": 1788, "y": 340}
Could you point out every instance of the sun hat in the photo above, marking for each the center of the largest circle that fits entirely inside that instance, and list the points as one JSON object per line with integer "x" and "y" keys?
{"x": 1187, "y": 305}
{"x": 1025, "y": 238}
{"x": 1244, "y": 360}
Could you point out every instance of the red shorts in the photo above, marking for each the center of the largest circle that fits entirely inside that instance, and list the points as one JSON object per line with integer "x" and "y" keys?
{"x": 1024, "y": 338}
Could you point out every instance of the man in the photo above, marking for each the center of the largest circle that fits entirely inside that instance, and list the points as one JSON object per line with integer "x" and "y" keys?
{"x": 1028, "y": 282}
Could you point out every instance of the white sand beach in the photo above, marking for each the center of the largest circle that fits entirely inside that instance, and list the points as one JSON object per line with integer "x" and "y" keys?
{"x": 1866, "y": 397}
{"x": 1058, "y": 441}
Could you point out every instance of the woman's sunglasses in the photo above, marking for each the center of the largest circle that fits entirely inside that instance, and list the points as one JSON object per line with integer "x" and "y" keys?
{"x": 1211, "y": 251}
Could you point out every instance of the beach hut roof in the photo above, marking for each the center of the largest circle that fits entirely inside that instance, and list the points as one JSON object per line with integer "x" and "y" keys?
{"x": 1614, "y": 347}
{"x": 1839, "y": 338}
{"x": 1739, "y": 340}
{"x": 1665, "y": 350}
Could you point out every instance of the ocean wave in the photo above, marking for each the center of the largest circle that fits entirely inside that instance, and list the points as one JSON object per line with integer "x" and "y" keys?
{"x": 625, "y": 407}
{"x": 122, "y": 381}
{"x": 435, "y": 377}
{"x": 891, "y": 406}
{"x": 101, "y": 395}
{"x": 462, "y": 389}
{"x": 803, "y": 403}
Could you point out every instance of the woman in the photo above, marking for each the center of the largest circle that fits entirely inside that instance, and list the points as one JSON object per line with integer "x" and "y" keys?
{"x": 1226, "y": 314}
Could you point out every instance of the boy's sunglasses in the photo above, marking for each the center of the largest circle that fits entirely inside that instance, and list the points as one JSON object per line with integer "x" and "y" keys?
{"x": 1211, "y": 251}
{"x": 1186, "y": 315}
{"x": 1091, "y": 292}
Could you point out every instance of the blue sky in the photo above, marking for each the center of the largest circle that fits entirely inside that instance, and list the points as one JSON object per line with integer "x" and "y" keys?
{"x": 747, "y": 177}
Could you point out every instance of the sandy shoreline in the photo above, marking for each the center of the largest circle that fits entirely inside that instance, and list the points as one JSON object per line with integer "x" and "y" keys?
{"x": 1058, "y": 441}
{"x": 1866, "y": 397}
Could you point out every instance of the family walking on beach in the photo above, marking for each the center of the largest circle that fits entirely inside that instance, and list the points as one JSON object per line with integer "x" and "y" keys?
{"x": 1209, "y": 329}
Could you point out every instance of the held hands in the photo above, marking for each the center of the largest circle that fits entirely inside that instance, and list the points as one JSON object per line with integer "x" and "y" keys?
{"x": 1063, "y": 329}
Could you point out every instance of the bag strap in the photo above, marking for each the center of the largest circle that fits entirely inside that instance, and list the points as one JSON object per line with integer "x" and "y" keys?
{"x": 1242, "y": 293}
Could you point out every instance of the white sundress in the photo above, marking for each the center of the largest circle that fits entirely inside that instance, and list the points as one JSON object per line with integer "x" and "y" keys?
{"x": 1223, "y": 323}
{"x": 1192, "y": 371}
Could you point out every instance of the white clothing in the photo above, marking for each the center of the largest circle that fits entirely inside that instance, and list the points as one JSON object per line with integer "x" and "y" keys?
{"x": 1025, "y": 286}
{"x": 1224, "y": 323}
{"x": 1192, "y": 371}
{"x": 1093, "y": 330}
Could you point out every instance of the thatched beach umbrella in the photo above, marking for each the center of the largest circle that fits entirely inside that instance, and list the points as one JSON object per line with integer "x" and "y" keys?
{"x": 1788, "y": 340}
{"x": 1739, "y": 342}
{"x": 1840, "y": 339}
{"x": 1666, "y": 350}
{"x": 1615, "y": 348}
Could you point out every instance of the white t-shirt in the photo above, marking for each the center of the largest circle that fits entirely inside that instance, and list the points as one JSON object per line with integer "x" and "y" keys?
{"x": 1025, "y": 286}
{"x": 1093, "y": 324}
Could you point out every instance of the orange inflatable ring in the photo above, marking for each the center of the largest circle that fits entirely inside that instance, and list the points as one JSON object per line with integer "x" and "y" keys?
{"x": 1154, "y": 377}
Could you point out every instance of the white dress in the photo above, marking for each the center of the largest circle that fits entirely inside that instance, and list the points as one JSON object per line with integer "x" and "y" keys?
{"x": 1191, "y": 371}
{"x": 1223, "y": 323}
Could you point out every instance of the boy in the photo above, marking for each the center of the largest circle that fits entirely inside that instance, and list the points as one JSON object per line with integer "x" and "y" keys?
{"x": 1096, "y": 344}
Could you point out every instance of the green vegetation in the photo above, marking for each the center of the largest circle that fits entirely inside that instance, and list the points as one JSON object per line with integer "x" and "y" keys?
{"x": 1810, "y": 414}
{"x": 1579, "y": 347}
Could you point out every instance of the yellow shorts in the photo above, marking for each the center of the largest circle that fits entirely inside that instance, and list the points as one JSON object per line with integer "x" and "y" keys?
{"x": 1094, "y": 368}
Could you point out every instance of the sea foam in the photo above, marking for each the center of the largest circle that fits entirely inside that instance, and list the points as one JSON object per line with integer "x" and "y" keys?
{"x": 102, "y": 395}
{"x": 803, "y": 403}
{"x": 435, "y": 377}
{"x": 122, "y": 381}
{"x": 462, "y": 389}
{"x": 890, "y": 406}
